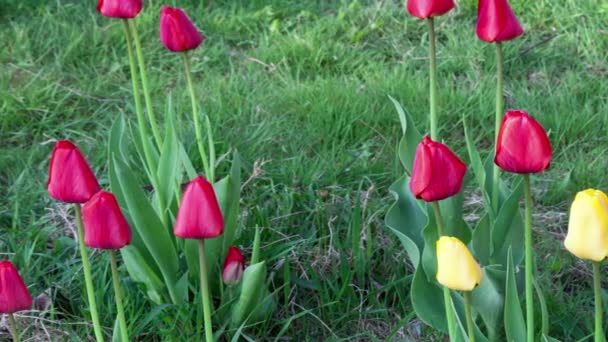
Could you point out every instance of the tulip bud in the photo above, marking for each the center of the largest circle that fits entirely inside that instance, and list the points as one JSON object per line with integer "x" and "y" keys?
{"x": 199, "y": 215}
{"x": 456, "y": 267}
{"x": 119, "y": 8}
{"x": 429, "y": 8}
{"x": 496, "y": 21}
{"x": 232, "y": 272}
{"x": 105, "y": 226}
{"x": 437, "y": 173}
{"x": 522, "y": 145}
{"x": 177, "y": 32}
{"x": 14, "y": 295}
{"x": 587, "y": 236}
{"x": 70, "y": 179}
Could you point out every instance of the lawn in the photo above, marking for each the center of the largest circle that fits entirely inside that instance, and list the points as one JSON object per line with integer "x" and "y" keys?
{"x": 301, "y": 89}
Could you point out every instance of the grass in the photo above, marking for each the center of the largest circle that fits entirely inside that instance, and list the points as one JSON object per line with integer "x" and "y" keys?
{"x": 301, "y": 86}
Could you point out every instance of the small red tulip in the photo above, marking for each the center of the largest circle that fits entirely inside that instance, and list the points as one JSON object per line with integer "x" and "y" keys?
{"x": 496, "y": 21}
{"x": 199, "y": 215}
{"x": 119, "y": 8}
{"x": 523, "y": 145}
{"x": 429, "y": 8}
{"x": 177, "y": 31}
{"x": 105, "y": 226}
{"x": 232, "y": 272}
{"x": 70, "y": 179}
{"x": 14, "y": 295}
{"x": 437, "y": 173}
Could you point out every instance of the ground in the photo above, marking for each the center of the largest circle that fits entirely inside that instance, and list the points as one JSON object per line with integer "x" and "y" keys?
{"x": 300, "y": 89}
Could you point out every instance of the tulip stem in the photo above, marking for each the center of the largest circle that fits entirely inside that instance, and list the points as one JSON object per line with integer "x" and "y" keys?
{"x": 205, "y": 290}
{"x": 447, "y": 298}
{"x": 13, "y": 327}
{"x": 438, "y": 218}
{"x": 88, "y": 279}
{"x": 118, "y": 297}
{"x": 144, "y": 82}
{"x": 195, "y": 118}
{"x": 497, "y": 121}
{"x": 528, "y": 261}
{"x": 433, "y": 79}
{"x": 597, "y": 289}
{"x": 469, "y": 316}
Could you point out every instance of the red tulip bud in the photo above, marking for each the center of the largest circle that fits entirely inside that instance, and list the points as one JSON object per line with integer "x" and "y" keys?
{"x": 14, "y": 295}
{"x": 522, "y": 145}
{"x": 71, "y": 179}
{"x": 429, "y": 8}
{"x": 105, "y": 226}
{"x": 177, "y": 31}
{"x": 199, "y": 215}
{"x": 234, "y": 265}
{"x": 119, "y": 8}
{"x": 437, "y": 173}
{"x": 496, "y": 21}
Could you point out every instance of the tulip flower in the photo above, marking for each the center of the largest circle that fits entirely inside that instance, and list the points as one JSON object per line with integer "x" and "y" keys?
{"x": 14, "y": 295}
{"x": 71, "y": 179}
{"x": 234, "y": 264}
{"x": 105, "y": 226}
{"x": 199, "y": 215}
{"x": 437, "y": 172}
{"x": 429, "y": 8}
{"x": 496, "y": 21}
{"x": 522, "y": 145}
{"x": 587, "y": 236}
{"x": 456, "y": 267}
{"x": 119, "y": 8}
{"x": 177, "y": 32}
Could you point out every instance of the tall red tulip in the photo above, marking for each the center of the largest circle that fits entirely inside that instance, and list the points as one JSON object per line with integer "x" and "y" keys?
{"x": 119, "y": 8}
{"x": 437, "y": 173}
{"x": 429, "y": 8}
{"x": 234, "y": 264}
{"x": 177, "y": 32}
{"x": 496, "y": 21}
{"x": 199, "y": 215}
{"x": 523, "y": 145}
{"x": 70, "y": 179}
{"x": 105, "y": 226}
{"x": 14, "y": 295}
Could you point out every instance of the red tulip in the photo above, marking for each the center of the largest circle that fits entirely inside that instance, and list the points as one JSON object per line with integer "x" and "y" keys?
{"x": 429, "y": 8}
{"x": 71, "y": 179}
{"x": 232, "y": 272}
{"x": 199, "y": 215}
{"x": 105, "y": 226}
{"x": 437, "y": 173}
{"x": 522, "y": 145}
{"x": 496, "y": 21}
{"x": 177, "y": 31}
{"x": 14, "y": 295}
{"x": 119, "y": 8}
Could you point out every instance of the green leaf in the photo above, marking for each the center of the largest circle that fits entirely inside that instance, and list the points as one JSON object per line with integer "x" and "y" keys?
{"x": 169, "y": 175}
{"x": 488, "y": 299}
{"x": 427, "y": 300}
{"x": 546, "y": 338}
{"x": 252, "y": 286}
{"x": 515, "y": 326}
{"x": 543, "y": 308}
{"x": 411, "y": 137}
{"x": 478, "y": 168}
{"x": 507, "y": 231}
{"x": 481, "y": 235}
{"x": 141, "y": 272}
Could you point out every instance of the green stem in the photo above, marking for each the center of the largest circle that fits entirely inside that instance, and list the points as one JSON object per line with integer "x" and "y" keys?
{"x": 497, "y": 121}
{"x": 13, "y": 328}
{"x": 447, "y": 298}
{"x": 88, "y": 279}
{"x": 195, "y": 118}
{"x": 255, "y": 255}
{"x": 433, "y": 79}
{"x": 528, "y": 261}
{"x": 205, "y": 290}
{"x": 597, "y": 290}
{"x": 438, "y": 218}
{"x": 144, "y": 81}
{"x": 469, "y": 316}
{"x": 118, "y": 297}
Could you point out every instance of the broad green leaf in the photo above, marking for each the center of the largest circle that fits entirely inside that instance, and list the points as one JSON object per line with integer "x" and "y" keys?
{"x": 546, "y": 338}
{"x": 543, "y": 308}
{"x": 427, "y": 300}
{"x": 168, "y": 164}
{"x": 480, "y": 245}
{"x": 141, "y": 272}
{"x": 410, "y": 140}
{"x": 515, "y": 326}
{"x": 253, "y": 284}
{"x": 479, "y": 170}
{"x": 507, "y": 232}
{"x": 488, "y": 299}
{"x": 460, "y": 317}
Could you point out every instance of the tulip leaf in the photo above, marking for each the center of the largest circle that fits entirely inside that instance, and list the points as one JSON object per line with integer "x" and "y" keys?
{"x": 451, "y": 211}
{"x": 488, "y": 299}
{"x": 141, "y": 272}
{"x": 481, "y": 235}
{"x": 187, "y": 163}
{"x": 543, "y": 308}
{"x": 168, "y": 164}
{"x": 459, "y": 315}
{"x": 252, "y": 288}
{"x": 546, "y": 338}
{"x": 515, "y": 326}
{"x": 427, "y": 300}
{"x": 507, "y": 231}
{"x": 479, "y": 170}
{"x": 411, "y": 137}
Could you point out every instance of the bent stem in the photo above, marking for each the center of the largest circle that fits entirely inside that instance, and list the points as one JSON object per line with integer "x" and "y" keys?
{"x": 529, "y": 262}
{"x": 87, "y": 274}
{"x": 13, "y": 328}
{"x": 597, "y": 290}
{"x": 205, "y": 290}
{"x": 433, "y": 79}
{"x": 469, "y": 316}
{"x": 118, "y": 297}
{"x": 497, "y": 120}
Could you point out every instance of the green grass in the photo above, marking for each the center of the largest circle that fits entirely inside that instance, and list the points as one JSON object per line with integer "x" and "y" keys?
{"x": 302, "y": 85}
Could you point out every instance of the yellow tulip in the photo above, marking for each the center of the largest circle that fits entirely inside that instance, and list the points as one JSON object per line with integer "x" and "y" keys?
{"x": 456, "y": 267}
{"x": 587, "y": 236}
